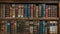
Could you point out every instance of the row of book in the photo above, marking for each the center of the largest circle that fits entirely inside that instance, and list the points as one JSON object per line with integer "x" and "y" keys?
{"x": 28, "y": 10}
{"x": 28, "y": 27}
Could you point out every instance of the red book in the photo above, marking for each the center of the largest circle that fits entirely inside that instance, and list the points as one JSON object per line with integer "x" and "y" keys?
{"x": 46, "y": 12}
{"x": 31, "y": 10}
{"x": 12, "y": 26}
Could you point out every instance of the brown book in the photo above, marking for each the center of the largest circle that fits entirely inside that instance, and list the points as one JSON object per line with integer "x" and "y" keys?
{"x": 7, "y": 10}
{"x": 13, "y": 10}
{"x": 12, "y": 22}
{"x": 11, "y": 14}
{"x": 37, "y": 11}
{"x": 19, "y": 10}
{"x": 31, "y": 29}
{"x": 22, "y": 10}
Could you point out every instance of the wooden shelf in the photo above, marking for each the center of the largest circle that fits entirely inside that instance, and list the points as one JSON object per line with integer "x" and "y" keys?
{"x": 29, "y": 18}
{"x": 29, "y": 1}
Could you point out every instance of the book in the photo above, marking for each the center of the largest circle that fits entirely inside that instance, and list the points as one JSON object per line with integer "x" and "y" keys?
{"x": 53, "y": 28}
{"x": 2, "y": 10}
{"x": 16, "y": 10}
{"x": 52, "y": 11}
{"x": 31, "y": 29}
{"x": 47, "y": 10}
{"x": 31, "y": 10}
{"x": 8, "y": 27}
{"x": 13, "y": 10}
{"x": 22, "y": 10}
{"x": 41, "y": 27}
{"x": 7, "y": 10}
{"x": 40, "y": 10}
{"x": 20, "y": 26}
{"x": 12, "y": 25}
{"x": 37, "y": 11}
{"x": 28, "y": 10}
{"x": 25, "y": 10}
{"x": 43, "y": 9}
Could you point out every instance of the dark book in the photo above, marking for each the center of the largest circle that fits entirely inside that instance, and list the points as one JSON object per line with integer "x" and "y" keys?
{"x": 25, "y": 10}
{"x": 28, "y": 10}
{"x": 8, "y": 27}
{"x": 16, "y": 10}
{"x": 12, "y": 26}
{"x": 42, "y": 27}
{"x": 7, "y": 10}
{"x": 52, "y": 11}
{"x": 40, "y": 10}
{"x": 20, "y": 27}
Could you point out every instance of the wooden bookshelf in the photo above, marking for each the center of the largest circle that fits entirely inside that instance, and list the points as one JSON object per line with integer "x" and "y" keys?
{"x": 34, "y": 18}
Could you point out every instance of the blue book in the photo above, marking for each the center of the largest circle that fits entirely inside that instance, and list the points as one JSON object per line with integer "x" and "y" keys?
{"x": 43, "y": 9}
{"x": 40, "y": 10}
{"x": 28, "y": 10}
{"x": 41, "y": 27}
{"x": 8, "y": 27}
{"x": 25, "y": 10}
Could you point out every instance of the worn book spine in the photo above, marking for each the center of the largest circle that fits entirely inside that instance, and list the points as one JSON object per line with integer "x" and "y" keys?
{"x": 47, "y": 11}
{"x": 12, "y": 26}
{"x": 37, "y": 11}
{"x": 3, "y": 10}
{"x": 16, "y": 10}
{"x": 28, "y": 10}
{"x": 40, "y": 10}
{"x": 22, "y": 10}
{"x": 8, "y": 27}
{"x": 25, "y": 10}
{"x": 31, "y": 10}
{"x": 7, "y": 11}
{"x": 13, "y": 10}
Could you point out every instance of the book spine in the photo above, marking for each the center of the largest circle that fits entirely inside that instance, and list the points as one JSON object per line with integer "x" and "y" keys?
{"x": 53, "y": 27}
{"x": 22, "y": 10}
{"x": 34, "y": 9}
{"x": 15, "y": 28}
{"x": 5, "y": 27}
{"x": 3, "y": 9}
{"x": 31, "y": 29}
{"x": 16, "y": 10}
{"x": 47, "y": 11}
{"x": 40, "y": 10}
{"x": 8, "y": 27}
{"x": 42, "y": 27}
{"x": 12, "y": 26}
{"x": 31, "y": 10}
{"x": 11, "y": 14}
{"x": 44, "y": 7}
{"x": 28, "y": 10}
{"x": 37, "y": 11}
{"x": 19, "y": 10}
{"x": 7, "y": 11}
{"x": 25, "y": 10}
{"x": 13, "y": 10}
{"x": 26, "y": 28}
{"x": 35, "y": 27}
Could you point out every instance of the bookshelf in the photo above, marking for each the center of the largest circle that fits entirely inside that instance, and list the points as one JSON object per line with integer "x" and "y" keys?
{"x": 47, "y": 24}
